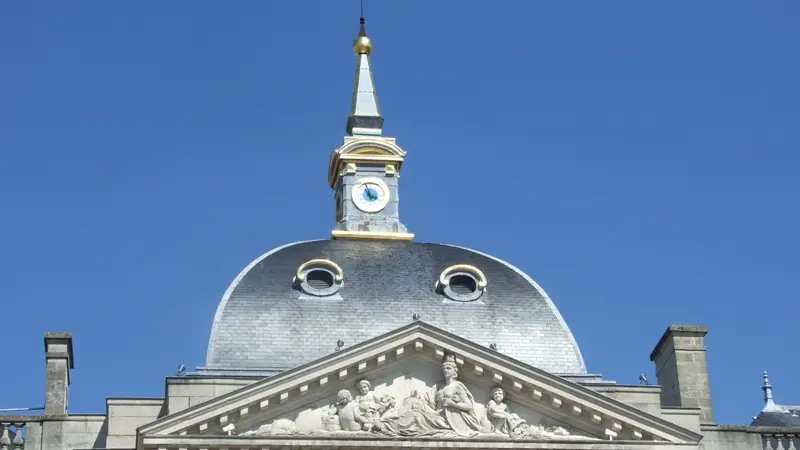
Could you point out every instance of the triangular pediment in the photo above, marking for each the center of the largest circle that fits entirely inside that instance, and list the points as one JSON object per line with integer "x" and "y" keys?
{"x": 409, "y": 398}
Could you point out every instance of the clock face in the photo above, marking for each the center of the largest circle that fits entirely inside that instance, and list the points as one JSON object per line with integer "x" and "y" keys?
{"x": 370, "y": 194}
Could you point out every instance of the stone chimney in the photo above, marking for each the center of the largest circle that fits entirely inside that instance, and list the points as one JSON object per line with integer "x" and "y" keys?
{"x": 58, "y": 362}
{"x": 682, "y": 369}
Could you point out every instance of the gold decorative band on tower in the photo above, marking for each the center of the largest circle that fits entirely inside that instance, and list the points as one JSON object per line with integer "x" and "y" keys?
{"x": 338, "y": 234}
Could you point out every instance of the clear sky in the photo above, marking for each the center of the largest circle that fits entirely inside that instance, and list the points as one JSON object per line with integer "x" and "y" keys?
{"x": 638, "y": 159}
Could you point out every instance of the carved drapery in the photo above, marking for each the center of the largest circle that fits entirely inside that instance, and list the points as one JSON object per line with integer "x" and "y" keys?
{"x": 447, "y": 410}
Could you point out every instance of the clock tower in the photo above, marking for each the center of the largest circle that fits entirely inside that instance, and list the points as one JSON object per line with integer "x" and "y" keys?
{"x": 364, "y": 172}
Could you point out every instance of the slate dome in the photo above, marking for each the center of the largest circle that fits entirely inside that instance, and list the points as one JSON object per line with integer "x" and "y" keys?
{"x": 264, "y": 324}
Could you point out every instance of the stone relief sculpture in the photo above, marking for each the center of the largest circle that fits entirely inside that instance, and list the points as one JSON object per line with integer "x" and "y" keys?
{"x": 501, "y": 420}
{"x": 448, "y": 410}
{"x": 366, "y": 411}
{"x": 347, "y": 412}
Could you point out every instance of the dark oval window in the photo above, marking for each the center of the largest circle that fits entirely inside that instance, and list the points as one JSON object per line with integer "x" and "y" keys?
{"x": 319, "y": 279}
{"x": 463, "y": 284}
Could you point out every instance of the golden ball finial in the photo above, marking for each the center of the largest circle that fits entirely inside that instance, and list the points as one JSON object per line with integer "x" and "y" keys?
{"x": 362, "y": 45}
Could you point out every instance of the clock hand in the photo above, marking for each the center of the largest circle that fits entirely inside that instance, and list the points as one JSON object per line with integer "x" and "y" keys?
{"x": 370, "y": 194}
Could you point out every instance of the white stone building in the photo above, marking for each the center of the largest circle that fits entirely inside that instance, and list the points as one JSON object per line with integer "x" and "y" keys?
{"x": 371, "y": 340}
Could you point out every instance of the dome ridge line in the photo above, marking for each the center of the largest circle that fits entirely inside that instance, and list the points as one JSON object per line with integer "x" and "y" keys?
{"x": 232, "y": 287}
{"x": 547, "y": 298}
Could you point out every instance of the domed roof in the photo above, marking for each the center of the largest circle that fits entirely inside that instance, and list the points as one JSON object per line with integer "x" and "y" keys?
{"x": 266, "y": 323}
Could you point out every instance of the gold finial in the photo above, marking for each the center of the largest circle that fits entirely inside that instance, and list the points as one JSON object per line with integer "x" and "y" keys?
{"x": 362, "y": 45}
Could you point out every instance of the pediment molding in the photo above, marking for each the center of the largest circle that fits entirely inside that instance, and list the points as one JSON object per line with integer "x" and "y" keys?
{"x": 576, "y": 405}
{"x": 296, "y": 443}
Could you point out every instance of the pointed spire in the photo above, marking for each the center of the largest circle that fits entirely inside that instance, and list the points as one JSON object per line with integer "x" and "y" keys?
{"x": 365, "y": 118}
{"x": 769, "y": 402}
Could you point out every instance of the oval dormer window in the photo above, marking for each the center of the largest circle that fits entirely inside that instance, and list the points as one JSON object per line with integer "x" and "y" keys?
{"x": 319, "y": 279}
{"x": 462, "y": 283}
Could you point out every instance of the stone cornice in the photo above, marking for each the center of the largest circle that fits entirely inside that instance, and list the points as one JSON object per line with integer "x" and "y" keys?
{"x": 238, "y": 442}
{"x": 753, "y": 430}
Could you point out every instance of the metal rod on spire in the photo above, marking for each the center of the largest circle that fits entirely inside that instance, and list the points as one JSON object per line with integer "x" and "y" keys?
{"x": 365, "y": 117}
{"x": 363, "y": 30}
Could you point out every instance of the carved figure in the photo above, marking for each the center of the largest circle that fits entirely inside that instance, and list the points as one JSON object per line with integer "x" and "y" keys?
{"x": 537, "y": 432}
{"x": 367, "y": 410}
{"x": 330, "y": 420}
{"x": 347, "y": 410}
{"x": 501, "y": 419}
{"x": 451, "y": 411}
{"x": 447, "y": 411}
{"x": 386, "y": 406}
{"x": 281, "y": 427}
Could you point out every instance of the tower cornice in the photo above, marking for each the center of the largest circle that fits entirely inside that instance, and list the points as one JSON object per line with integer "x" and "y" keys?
{"x": 371, "y": 150}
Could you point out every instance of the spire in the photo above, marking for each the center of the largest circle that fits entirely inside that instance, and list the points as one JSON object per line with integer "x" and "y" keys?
{"x": 769, "y": 403}
{"x": 365, "y": 118}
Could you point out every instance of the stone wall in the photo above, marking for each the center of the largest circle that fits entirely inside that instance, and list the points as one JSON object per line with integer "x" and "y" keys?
{"x": 125, "y": 415}
{"x": 185, "y": 392}
{"x": 729, "y": 438}
{"x": 73, "y": 431}
{"x": 644, "y": 397}
{"x": 688, "y": 418}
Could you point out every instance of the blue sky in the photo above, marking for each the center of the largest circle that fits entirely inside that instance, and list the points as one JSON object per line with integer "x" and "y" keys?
{"x": 638, "y": 159}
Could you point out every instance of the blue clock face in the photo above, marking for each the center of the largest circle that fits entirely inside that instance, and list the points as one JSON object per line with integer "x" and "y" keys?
{"x": 370, "y": 193}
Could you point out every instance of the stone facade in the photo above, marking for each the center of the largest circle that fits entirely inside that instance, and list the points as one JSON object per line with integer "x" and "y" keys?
{"x": 510, "y": 405}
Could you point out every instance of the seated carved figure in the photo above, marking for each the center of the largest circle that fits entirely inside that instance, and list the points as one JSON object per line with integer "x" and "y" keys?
{"x": 367, "y": 410}
{"x": 446, "y": 411}
{"x": 346, "y": 409}
{"x": 501, "y": 419}
{"x": 450, "y": 411}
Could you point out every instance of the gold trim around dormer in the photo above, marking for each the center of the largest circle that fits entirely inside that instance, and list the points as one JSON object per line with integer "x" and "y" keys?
{"x": 319, "y": 262}
{"x": 444, "y": 277}
{"x": 344, "y": 234}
